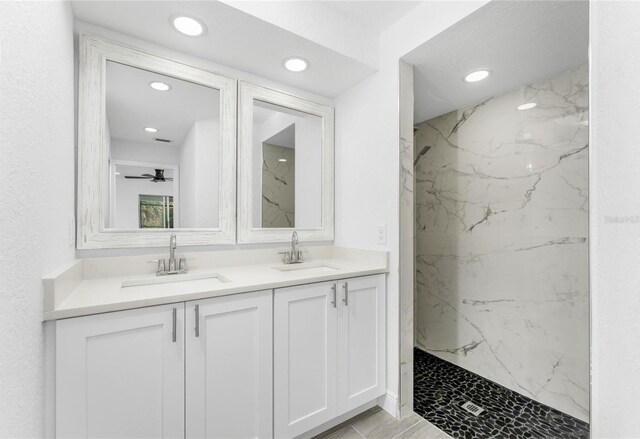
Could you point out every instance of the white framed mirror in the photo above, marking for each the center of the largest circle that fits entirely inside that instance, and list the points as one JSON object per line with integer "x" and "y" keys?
{"x": 156, "y": 150}
{"x": 285, "y": 167}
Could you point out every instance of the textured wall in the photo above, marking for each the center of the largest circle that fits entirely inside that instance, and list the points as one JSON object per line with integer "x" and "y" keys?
{"x": 615, "y": 218}
{"x": 501, "y": 240}
{"x": 37, "y": 169}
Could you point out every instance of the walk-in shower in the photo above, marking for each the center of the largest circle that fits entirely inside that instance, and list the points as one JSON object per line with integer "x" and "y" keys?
{"x": 500, "y": 222}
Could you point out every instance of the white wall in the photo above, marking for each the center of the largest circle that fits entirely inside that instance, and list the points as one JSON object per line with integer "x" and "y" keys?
{"x": 37, "y": 196}
{"x": 199, "y": 159}
{"x": 308, "y": 172}
{"x": 208, "y": 173}
{"x": 614, "y": 182}
{"x": 367, "y": 153}
{"x": 188, "y": 157}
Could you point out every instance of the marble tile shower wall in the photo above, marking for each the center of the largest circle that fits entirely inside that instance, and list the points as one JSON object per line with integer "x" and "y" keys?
{"x": 278, "y": 186}
{"x": 501, "y": 240}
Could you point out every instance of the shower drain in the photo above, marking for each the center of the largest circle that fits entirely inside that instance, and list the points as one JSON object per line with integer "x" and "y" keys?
{"x": 472, "y": 408}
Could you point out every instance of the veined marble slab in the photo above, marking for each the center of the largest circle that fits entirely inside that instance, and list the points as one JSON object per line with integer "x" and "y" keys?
{"x": 278, "y": 186}
{"x": 501, "y": 240}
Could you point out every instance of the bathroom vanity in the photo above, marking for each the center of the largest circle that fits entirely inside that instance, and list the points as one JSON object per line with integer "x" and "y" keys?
{"x": 258, "y": 349}
{"x": 220, "y": 344}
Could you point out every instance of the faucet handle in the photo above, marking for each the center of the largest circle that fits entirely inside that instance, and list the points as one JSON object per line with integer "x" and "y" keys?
{"x": 286, "y": 257}
{"x": 161, "y": 267}
{"x": 182, "y": 265}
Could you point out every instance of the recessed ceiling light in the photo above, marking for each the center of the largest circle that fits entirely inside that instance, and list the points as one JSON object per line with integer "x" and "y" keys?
{"x": 295, "y": 64}
{"x": 117, "y": 173}
{"x": 151, "y": 130}
{"x": 282, "y": 160}
{"x": 527, "y": 106}
{"x": 160, "y": 86}
{"x": 188, "y": 25}
{"x": 476, "y": 76}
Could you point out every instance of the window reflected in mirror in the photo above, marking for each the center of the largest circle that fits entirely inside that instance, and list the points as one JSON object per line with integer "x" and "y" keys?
{"x": 156, "y": 211}
{"x": 287, "y": 161}
{"x": 163, "y": 141}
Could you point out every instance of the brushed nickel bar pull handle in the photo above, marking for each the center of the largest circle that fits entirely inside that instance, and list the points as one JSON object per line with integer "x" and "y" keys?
{"x": 175, "y": 316}
{"x": 345, "y": 286}
{"x": 197, "y": 311}
{"x": 333, "y": 290}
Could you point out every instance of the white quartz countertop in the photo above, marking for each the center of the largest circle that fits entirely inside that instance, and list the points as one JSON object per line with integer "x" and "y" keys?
{"x": 92, "y": 286}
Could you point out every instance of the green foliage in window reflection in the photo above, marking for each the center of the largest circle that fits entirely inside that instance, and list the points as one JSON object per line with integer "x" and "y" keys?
{"x": 156, "y": 211}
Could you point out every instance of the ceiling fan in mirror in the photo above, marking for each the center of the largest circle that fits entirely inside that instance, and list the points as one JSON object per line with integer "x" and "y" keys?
{"x": 157, "y": 178}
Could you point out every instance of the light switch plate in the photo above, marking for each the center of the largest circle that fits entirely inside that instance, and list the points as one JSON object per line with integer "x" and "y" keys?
{"x": 381, "y": 234}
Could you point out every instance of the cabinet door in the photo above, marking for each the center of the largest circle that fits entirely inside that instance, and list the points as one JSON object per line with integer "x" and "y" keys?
{"x": 121, "y": 374}
{"x": 305, "y": 348}
{"x": 229, "y": 367}
{"x": 361, "y": 341}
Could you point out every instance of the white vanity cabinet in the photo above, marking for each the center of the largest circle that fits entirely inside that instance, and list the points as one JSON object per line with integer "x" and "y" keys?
{"x": 329, "y": 351}
{"x": 305, "y": 357}
{"x": 361, "y": 341}
{"x": 271, "y": 363}
{"x": 121, "y": 374}
{"x": 229, "y": 366}
{"x": 134, "y": 374}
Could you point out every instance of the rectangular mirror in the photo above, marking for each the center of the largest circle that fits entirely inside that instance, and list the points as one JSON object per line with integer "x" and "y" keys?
{"x": 156, "y": 149}
{"x": 164, "y": 137}
{"x": 286, "y": 167}
{"x": 287, "y": 150}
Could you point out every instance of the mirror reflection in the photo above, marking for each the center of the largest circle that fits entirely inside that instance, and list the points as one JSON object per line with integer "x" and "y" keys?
{"x": 163, "y": 142}
{"x": 287, "y": 151}
{"x": 138, "y": 204}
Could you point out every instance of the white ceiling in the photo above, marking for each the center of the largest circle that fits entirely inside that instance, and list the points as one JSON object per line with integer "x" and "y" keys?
{"x": 234, "y": 38}
{"x": 374, "y": 15}
{"x": 132, "y": 105}
{"x": 518, "y": 41}
{"x": 285, "y": 138}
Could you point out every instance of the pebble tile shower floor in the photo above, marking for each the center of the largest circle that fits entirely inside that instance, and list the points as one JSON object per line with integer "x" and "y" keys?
{"x": 441, "y": 388}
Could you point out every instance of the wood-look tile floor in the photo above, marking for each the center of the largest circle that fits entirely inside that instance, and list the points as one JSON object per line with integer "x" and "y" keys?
{"x": 381, "y": 425}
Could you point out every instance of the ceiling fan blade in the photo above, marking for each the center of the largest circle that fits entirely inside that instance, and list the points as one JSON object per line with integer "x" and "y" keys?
{"x": 169, "y": 179}
{"x": 148, "y": 175}
{"x": 137, "y": 177}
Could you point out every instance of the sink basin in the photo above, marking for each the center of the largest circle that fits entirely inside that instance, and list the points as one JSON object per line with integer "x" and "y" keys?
{"x": 306, "y": 268}
{"x": 204, "y": 278}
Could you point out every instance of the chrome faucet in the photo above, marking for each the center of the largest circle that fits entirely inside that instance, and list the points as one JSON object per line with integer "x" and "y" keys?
{"x": 179, "y": 268}
{"x": 294, "y": 245}
{"x": 172, "y": 252}
{"x": 293, "y": 256}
